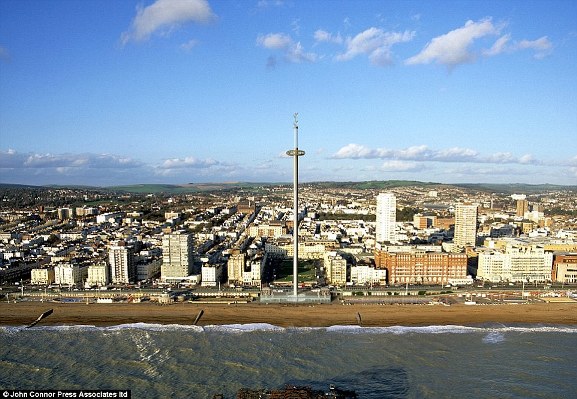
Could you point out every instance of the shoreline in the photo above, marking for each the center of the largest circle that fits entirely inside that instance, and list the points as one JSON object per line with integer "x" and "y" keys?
{"x": 287, "y": 315}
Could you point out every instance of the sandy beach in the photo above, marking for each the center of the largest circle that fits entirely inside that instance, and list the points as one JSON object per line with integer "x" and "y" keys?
{"x": 23, "y": 313}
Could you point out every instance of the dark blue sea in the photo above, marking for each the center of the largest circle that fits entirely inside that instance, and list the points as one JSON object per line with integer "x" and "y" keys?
{"x": 159, "y": 361}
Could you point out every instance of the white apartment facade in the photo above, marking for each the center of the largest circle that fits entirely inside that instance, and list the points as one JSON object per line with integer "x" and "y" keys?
{"x": 365, "y": 274}
{"x": 465, "y": 225}
{"x": 211, "y": 275}
{"x": 70, "y": 274}
{"x": 386, "y": 217}
{"x": 98, "y": 275}
{"x": 122, "y": 267}
{"x": 177, "y": 256}
{"x": 516, "y": 264}
{"x": 335, "y": 268}
{"x": 42, "y": 276}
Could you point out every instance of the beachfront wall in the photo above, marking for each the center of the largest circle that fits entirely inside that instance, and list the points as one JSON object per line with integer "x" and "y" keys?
{"x": 419, "y": 267}
{"x": 319, "y": 295}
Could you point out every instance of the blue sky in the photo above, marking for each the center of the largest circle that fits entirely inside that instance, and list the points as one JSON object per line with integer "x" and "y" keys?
{"x": 172, "y": 91}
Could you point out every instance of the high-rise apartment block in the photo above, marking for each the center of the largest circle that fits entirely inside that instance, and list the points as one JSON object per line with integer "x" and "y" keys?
{"x": 177, "y": 256}
{"x": 465, "y": 225}
{"x": 235, "y": 267}
{"x": 522, "y": 207}
{"x": 386, "y": 217}
{"x": 122, "y": 266}
{"x": 336, "y": 268}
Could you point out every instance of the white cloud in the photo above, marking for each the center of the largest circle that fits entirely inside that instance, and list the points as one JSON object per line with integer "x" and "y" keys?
{"x": 455, "y": 154}
{"x": 293, "y": 51}
{"x": 189, "y": 45}
{"x": 322, "y": 36}
{"x": 11, "y": 159}
{"x": 423, "y": 153}
{"x": 274, "y": 41}
{"x": 453, "y": 48}
{"x": 296, "y": 54}
{"x": 357, "y": 151}
{"x": 188, "y": 162}
{"x": 375, "y": 43}
{"x": 542, "y": 46}
{"x": 420, "y": 152}
{"x": 499, "y": 46}
{"x": 270, "y": 3}
{"x": 165, "y": 15}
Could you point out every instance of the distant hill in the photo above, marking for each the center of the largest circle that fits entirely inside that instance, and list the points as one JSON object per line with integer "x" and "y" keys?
{"x": 175, "y": 189}
{"x": 517, "y": 188}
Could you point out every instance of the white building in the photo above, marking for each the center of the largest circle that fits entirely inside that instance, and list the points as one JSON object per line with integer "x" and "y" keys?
{"x": 177, "y": 256}
{"x": 465, "y": 225}
{"x": 335, "y": 268}
{"x": 69, "y": 274}
{"x": 252, "y": 273}
{"x": 386, "y": 217}
{"x": 270, "y": 229}
{"x": 42, "y": 276}
{"x": 235, "y": 267}
{"x": 211, "y": 275}
{"x": 98, "y": 275}
{"x": 365, "y": 274}
{"x": 147, "y": 269}
{"x": 122, "y": 267}
{"x": 516, "y": 264}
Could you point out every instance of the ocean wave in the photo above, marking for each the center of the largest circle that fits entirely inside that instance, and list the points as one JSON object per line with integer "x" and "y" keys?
{"x": 244, "y": 327}
{"x": 344, "y": 329}
{"x": 494, "y": 337}
{"x": 154, "y": 327}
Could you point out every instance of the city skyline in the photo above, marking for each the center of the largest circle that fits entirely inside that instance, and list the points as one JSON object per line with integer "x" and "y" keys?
{"x": 174, "y": 92}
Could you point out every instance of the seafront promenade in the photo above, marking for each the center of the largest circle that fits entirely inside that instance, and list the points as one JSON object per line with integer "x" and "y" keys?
{"x": 288, "y": 315}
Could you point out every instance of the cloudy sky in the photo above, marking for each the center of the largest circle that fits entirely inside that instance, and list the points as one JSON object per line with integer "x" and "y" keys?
{"x": 104, "y": 93}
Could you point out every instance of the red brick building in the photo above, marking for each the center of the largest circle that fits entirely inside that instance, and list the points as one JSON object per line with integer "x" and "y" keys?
{"x": 419, "y": 267}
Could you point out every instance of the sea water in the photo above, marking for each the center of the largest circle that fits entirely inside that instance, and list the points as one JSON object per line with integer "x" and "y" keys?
{"x": 174, "y": 361}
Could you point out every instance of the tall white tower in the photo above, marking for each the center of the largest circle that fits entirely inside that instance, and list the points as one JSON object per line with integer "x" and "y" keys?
{"x": 295, "y": 153}
{"x": 122, "y": 266}
{"x": 465, "y": 225}
{"x": 177, "y": 255}
{"x": 386, "y": 217}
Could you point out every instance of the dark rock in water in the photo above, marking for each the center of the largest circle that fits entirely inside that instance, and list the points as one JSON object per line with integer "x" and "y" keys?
{"x": 294, "y": 392}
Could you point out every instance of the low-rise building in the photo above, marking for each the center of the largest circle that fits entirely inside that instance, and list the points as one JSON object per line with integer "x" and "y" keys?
{"x": 98, "y": 275}
{"x": 42, "y": 276}
{"x": 516, "y": 264}
{"x": 565, "y": 268}
{"x": 211, "y": 274}
{"x": 365, "y": 274}
{"x": 70, "y": 274}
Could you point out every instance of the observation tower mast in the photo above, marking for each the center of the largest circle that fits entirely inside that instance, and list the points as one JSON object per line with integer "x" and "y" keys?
{"x": 295, "y": 153}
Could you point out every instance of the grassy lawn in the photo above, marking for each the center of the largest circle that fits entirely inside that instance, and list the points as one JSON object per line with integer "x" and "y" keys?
{"x": 305, "y": 268}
